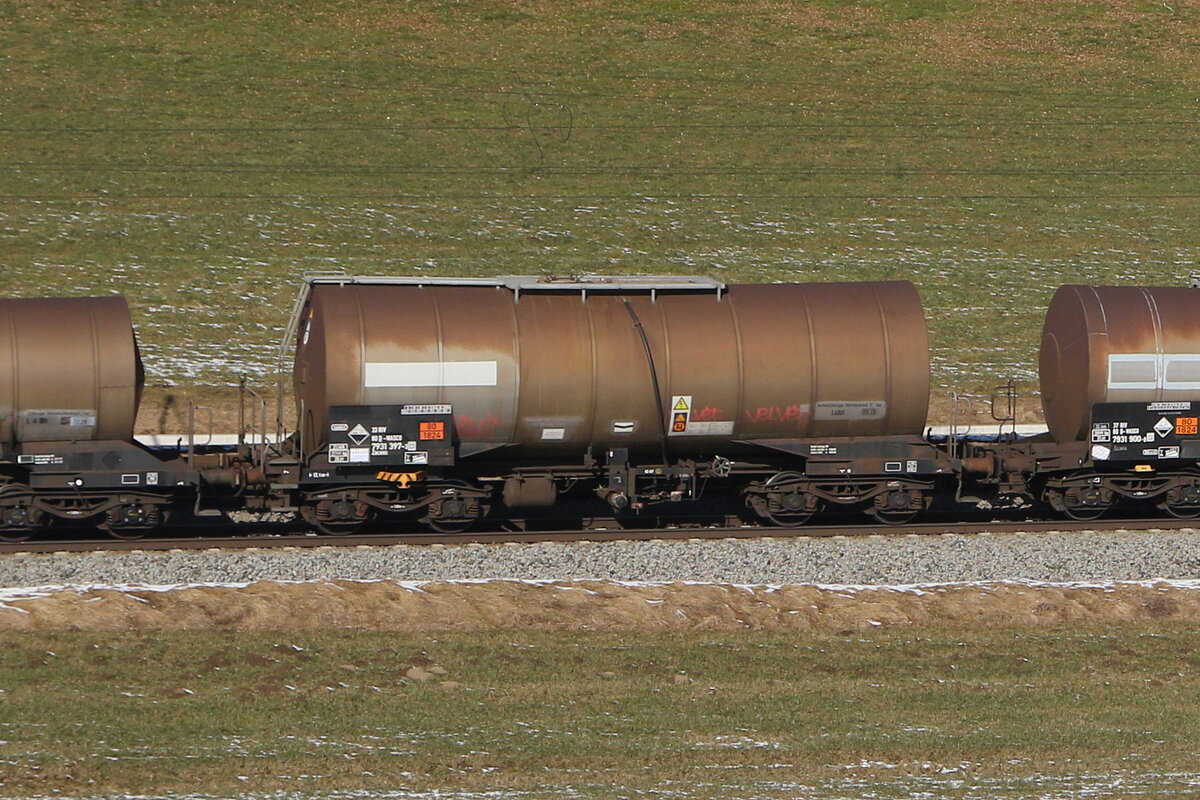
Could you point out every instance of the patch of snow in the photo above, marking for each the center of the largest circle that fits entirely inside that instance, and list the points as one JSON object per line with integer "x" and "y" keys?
{"x": 11, "y": 595}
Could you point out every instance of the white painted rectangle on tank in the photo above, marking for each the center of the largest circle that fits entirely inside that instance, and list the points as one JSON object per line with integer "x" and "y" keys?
{"x": 1181, "y": 372}
{"x": 1133, "y": 372}
{"x": 706, "y": 428}
{"x": 48, "y": 425}
{"x": 423, "y": 374}
{"x": 1153, "y": 372}
{"x": 850, "y": 409}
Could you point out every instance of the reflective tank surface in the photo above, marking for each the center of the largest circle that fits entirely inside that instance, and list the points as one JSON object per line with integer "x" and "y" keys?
{"x": 69, "y": 370}
{"x": 552, "y": 366}
{"x": 1113, "y": 344}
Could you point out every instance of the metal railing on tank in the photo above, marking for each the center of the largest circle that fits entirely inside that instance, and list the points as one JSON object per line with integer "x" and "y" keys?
{"x": 252, "y": 443}
{"x": 1006, "y": 394}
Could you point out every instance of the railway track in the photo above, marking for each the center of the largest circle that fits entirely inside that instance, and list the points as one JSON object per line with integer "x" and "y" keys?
{"x": 275, "y": 540}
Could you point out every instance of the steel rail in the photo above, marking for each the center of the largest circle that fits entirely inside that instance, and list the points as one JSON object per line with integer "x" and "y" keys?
{"x": 268, "y": 541}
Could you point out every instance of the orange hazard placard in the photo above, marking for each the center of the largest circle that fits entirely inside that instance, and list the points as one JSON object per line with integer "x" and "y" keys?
{"x": 433, "y": 430}
{"x": 1186, "y": 426}
{"x": 679, "y": 425}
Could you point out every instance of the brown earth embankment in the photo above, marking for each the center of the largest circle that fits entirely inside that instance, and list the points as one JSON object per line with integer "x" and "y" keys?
{"x": 585, "y": 605}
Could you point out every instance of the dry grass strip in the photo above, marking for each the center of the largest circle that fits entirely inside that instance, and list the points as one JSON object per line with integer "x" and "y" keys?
{"x": 586, "y": 605}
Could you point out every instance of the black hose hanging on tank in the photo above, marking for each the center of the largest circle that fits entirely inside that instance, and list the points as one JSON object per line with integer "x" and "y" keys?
{"x": 658, "y": 403}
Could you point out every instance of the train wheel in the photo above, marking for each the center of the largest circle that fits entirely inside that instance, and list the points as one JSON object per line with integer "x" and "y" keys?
{"x": 1084, "y": 513}
{"x": 1082, "y": 504}
{"x": 1180, "y": 512}
{"x": 132, "y": 520}
{"x": 895, "y": 507}
{"x": 893, "y": 517}
{"x": 455, "y": 510}
{"x": 794, "y": 519}
{"x": 336, "y": 516}
{"x": 789, "y": 506}
{"x": 449, "y": 525}
{"x": 19, "y": 519}
{"x": 338, "y": 528}
{"x": 1182, "y": 502}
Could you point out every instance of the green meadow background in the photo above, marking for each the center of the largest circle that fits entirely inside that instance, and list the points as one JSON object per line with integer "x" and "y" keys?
{"x": 201, "y": 157}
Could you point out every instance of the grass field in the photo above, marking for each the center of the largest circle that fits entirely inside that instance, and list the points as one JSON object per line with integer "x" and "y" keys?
{"x": 200, "y": 157}
{"x": 884, "y": 713}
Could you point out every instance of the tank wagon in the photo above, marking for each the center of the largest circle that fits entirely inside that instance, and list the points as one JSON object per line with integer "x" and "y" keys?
{"x": 1120, "y": 383}
{"x": 69, "y": 370}
{"x": 1120, "y": 378}
{"x": 527, "y": 401}
{"x": 465, "y": 393}
{"x": 71, "y": 380}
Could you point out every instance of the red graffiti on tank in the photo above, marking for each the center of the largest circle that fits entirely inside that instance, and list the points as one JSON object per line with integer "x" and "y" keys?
{"x": 764, "y": 414}
{"x": 476, "y": 427}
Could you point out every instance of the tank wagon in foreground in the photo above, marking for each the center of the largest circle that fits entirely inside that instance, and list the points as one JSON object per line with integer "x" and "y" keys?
{"x": 522, "y": 402}
{"x": 641, "y": 391}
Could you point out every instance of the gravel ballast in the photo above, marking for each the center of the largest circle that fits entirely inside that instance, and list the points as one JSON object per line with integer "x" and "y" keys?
{"x": 872, "y": 560}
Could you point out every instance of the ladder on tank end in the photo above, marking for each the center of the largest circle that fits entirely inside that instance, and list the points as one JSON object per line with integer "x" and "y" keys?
{"x": 1002, "y": 408}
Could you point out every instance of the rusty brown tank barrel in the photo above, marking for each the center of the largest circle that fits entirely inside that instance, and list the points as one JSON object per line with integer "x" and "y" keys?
{"x": 1117, "y": 343}
{"x": 558, "y": 365}
{"x": 69, "y": 370}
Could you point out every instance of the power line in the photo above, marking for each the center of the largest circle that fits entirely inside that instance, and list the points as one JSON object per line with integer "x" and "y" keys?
{"x": 622, "y": 127}
{"x": 472, "y": 170}
{"x": 374, "y": 197}
{"x": 778, "y": 105}
{"x": 545, "y": 80}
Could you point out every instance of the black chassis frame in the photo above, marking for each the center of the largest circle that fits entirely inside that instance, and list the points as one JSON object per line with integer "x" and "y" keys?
{"x": 848, "y": 471}
{"x": 83, "y": 480}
